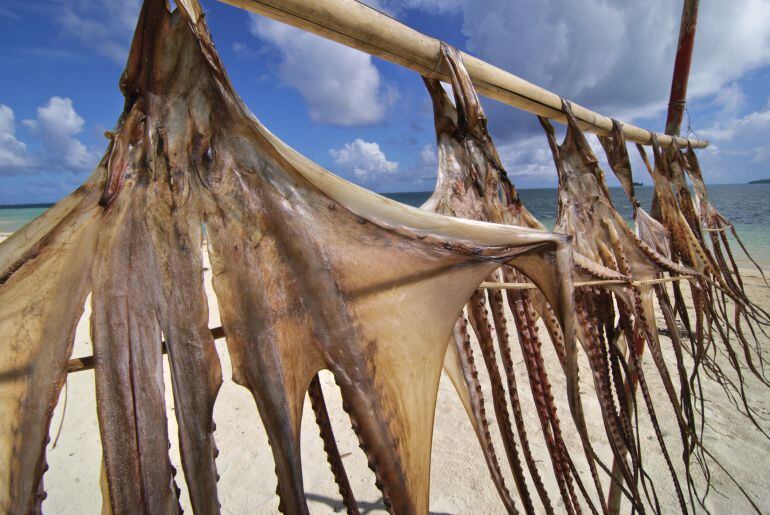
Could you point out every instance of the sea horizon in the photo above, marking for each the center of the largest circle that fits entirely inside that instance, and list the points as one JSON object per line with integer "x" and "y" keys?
{"x": 745, "y": 205}
{"x": 427, "y": 192}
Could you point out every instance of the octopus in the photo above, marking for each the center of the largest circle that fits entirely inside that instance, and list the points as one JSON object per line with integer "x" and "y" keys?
{"x": 676, "y": 236}
{"x": 585, "y": 212}
{"x": 647, "y": 228}
{"x": 311, "y": 273}
{"x": 716, "y": 224}
{"x": 674, "y": 206}
{"x": 472, "y": 183}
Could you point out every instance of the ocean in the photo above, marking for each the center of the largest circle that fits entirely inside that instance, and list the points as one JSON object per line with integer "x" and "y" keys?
{"x": 746, "y": 205}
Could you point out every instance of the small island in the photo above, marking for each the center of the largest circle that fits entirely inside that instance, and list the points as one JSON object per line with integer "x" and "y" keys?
{"x": 638, "y": 183}
{"x": 760, "y": 181}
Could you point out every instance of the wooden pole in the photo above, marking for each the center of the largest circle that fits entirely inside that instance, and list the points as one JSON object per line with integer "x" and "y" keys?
{"x": 87, "y": 362}
{"x": 579, "y": 284}
{"x": 677, "y": 99}
{"x": 359, "y": 26}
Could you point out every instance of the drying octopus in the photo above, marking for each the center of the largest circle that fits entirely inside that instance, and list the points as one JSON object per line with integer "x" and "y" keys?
{"x": 716, "y": 283}
{"x": 472, "y": 183}
{"x": 310, "y": 272}
{"x": 585, "y": 209}
{"x": 676, "y": 237}
{"x": 715, "y": 223}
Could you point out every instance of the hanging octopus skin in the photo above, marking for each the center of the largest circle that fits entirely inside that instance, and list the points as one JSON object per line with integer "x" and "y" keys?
{"x": 712, "y": 310}
{"x": 711, "y": 297}
{"x": 648, "y": 229}
{"x": 656, "y": 236}
{"x": 469, "y": 185}
{"x": 678, "y": 213}
{"x": 472, "y": 183}
{"x": 310, "y": 273}
{"x": 586, "y": 212}
{"x": 714, "y": 222}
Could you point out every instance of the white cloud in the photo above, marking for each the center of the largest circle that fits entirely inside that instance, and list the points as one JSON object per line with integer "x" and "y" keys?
{"x": 104, "y": 26}
{"x": 13, "y": 153}
{"x": 428, "y": 155}
{"x": 54, "y": 142}
{"x": 742, "y": 136}
{"x": 340, "y": 85}
{"x": 528, "y": 157}
{"x": 732, "y": 39}
{"x": 365, "y": 160}
{"x": 56, "y": 125}
{"x": 614, "y": 57}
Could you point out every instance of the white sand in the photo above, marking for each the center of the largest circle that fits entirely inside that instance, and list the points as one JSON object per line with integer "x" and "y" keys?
{"x": 459, "y": 479}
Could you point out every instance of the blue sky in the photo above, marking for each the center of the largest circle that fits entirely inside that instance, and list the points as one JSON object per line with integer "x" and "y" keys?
{"x": 371, "y": 121}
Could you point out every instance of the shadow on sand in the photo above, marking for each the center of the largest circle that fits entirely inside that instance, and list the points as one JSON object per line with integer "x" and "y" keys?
{"x": 363, "y": 506}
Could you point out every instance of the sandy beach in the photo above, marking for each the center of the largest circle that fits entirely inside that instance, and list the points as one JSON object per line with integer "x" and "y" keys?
{"x": 460, "y": 482}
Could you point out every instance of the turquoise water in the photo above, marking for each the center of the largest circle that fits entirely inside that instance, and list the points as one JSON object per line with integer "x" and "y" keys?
{"x": 746, "y": 205}
{"x": 14, "y": 217}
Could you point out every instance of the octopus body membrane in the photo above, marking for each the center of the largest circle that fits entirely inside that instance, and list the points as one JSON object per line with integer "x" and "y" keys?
{"x": 313, "y": 273}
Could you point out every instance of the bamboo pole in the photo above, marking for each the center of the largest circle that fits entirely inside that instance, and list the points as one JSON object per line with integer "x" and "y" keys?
{"x": 682, "y": 61}
{"x": 578, "y": 284}
{"x": 87, "y": 362}
{"x": 361, "y": 27}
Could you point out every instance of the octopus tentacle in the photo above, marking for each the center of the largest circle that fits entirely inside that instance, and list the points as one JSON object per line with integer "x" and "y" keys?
{"x": 371, "y": 459}
{"x": 541, "y": 393}
{"x": 613, "y": 425}
{"x": 127, "y": 347}
{"x": 478, "y": 317}
{"x": 551, "y": 323}
{"x": 461, "y": 368}
{"x": 317, "y": 402}
{"x": 183, "y": 316}
{"x": 497, "y": 304}
{"x": 553, "y": 415}
{"x": 645, "y": 315}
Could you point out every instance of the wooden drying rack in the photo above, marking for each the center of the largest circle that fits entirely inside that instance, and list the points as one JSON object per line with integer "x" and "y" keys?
{"x": 87, "y": 362}
{"x": 364, "y": 28}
